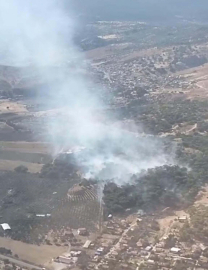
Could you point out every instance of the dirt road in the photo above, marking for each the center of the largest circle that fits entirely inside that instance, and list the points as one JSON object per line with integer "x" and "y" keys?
{"x": 20, "y": 263}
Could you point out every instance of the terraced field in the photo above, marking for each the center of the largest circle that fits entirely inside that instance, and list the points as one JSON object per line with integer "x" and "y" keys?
{"x": 83, "y": 207}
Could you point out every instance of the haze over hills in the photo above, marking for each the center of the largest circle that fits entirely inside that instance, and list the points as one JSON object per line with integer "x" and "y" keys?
{"x": 148, "y": 10}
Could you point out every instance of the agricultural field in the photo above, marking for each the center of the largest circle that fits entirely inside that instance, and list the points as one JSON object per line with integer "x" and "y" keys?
{"x": 26, "y": 196}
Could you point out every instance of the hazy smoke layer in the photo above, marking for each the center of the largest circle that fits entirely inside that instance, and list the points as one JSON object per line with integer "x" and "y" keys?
{"x": 40, "y": 34}
{"x": 33, "y": 32}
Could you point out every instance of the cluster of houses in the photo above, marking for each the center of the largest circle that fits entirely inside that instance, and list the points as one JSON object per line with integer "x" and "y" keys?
{"x": 169, "y": 253}
{"x": 120, "y": 246}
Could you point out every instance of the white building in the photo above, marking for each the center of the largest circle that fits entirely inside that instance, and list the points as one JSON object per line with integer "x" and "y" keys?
{"x": 175, "y": 250}
{"x": 5, "y": 226}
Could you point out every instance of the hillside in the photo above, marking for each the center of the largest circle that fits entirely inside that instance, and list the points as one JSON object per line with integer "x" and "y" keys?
{"x": 103, "y": 157}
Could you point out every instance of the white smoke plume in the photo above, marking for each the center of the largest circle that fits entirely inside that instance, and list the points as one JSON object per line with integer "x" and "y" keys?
{"x": 34, "y": 32}
{"x": 40, "y": 34}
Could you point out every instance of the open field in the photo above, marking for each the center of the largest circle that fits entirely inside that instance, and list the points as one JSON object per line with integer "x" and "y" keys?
{"x": 38, "y": 255}
{"x": 30, "y": 154}
{"x": 10, "y": 165}
{"x": 199, "y": 79}
{"x": 26, "y": 147}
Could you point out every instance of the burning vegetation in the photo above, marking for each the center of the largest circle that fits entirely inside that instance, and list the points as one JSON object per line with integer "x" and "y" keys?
{"x": 102, "y": 160}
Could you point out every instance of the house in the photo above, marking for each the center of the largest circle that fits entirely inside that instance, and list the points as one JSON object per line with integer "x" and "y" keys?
{"x": 138, "y": 220}
{"x": 63, "y": 259}
{"x": 82, "y": 231}
{"x": 140, "y": 213}
{"x": 148, "y": 248}
{"x": 175, "y": 250}
{"x": 75, "y": 253}
{"x": 99, "y": 251}
{"x": 161, "y": 245}
{"x": 139, "y": 244}
{"x": 150, "y": 262}
{"x": 69, "y": 234}
{"x": 87, "y": 244}
{"x": 43, "y": 215}
{"x": 67, "y": 260}
{"x": 182, "y": 219}
{"x": 159, "y": 250}
{"x": 143, "y": 253}
{"x": 5, "y": 226}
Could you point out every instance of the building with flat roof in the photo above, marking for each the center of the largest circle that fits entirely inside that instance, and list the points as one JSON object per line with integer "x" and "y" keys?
{"x": 87, "y": 244}
{"x": 82, "y": 231}
{"x": 5, "y": 226}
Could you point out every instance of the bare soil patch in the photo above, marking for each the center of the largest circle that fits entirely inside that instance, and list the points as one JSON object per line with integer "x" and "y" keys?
{"x": 167, "y": 222}
{"x": 202, "y": 197}
{"x": 12, "y": 107}
{"x": 198, "y": 79}
{"x": 103, "y": 52}
{"x": 32, "y": 253}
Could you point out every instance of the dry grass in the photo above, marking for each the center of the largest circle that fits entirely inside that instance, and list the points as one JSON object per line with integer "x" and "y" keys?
{"x": 27, "y": 147}
{"x": 32, "y": 253}
{"x": 10, "y": 165}
{"x": 103, "y": 52}
{"x": 199, "y": 79}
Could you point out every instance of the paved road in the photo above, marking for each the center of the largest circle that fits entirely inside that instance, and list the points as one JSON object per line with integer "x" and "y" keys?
{"x": 19, "y": 262}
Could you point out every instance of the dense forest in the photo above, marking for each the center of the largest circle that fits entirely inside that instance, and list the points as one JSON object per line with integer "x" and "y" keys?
{"x": 160, "y": 187}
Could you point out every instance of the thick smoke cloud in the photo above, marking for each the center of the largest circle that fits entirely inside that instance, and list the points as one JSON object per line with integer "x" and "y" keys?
{"x": 40, "y": 34}
{"x": 35, "y": 32}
